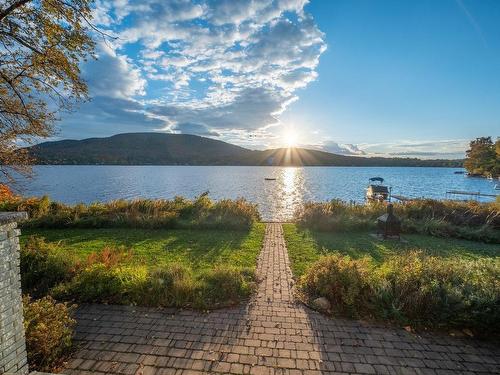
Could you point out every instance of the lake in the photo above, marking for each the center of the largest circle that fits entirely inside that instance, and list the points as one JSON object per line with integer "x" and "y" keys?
{"x": 277, "y": 200}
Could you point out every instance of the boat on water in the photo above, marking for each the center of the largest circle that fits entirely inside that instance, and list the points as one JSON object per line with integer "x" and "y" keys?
{"x": 377, "y": 191}
{"x": 269, "y": 179}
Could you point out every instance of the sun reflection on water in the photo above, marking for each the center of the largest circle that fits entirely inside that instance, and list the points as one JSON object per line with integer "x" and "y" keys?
{"x": 290, "y": 191}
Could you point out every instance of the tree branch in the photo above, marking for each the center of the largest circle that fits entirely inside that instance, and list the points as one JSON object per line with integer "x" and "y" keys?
{"x": 21, "y": 41}
{"x": 13, "y": 6}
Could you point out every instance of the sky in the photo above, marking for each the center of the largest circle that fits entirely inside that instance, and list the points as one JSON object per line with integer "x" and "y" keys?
{"x": 356, "y": 77}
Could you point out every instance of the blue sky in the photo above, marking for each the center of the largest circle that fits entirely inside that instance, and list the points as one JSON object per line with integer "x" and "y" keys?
{"x": 362, "y": 77}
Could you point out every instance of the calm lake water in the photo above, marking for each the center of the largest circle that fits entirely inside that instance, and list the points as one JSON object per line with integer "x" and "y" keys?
{"x": 277, "y": 200}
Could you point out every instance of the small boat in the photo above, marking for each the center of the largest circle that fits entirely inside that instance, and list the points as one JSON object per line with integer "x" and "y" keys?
{"x": 376, "y": 191}
{"x": 459, "y": 172}
{"x": 269, "y": 179}
{"x": 497, "y": 187}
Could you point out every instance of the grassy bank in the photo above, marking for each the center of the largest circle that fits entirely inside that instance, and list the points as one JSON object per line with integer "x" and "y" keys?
{"x": 426, "y": 282}
{"x": 447, "y": 219}
{"x": 177, "y": 213}
{"x": 189, "y": 268}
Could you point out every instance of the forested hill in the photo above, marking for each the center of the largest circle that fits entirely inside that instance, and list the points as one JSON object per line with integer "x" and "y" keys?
{"x": 183, "y": 149}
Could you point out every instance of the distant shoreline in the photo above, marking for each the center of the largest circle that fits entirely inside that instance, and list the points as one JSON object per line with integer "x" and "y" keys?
{"x": 191, "y": 150}
{"x": 265, "y": 166}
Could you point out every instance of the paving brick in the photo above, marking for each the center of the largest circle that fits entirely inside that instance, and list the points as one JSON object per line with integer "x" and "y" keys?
{"x": 363, "y": 368}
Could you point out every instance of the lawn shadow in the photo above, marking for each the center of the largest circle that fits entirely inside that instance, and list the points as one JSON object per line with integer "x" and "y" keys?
{"x": 196, "y": 248}
{"x": 360, "y": 244}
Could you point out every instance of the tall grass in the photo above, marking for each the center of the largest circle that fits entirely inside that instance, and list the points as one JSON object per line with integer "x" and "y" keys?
{"x": 468, "y": 220}
{"x": 411, "y": 288}
{"x": 179, "y": 212}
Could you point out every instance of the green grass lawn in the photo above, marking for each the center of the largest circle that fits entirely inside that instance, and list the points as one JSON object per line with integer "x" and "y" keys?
{"x": 305, "y": 247}
{"x": 197, "y": 249}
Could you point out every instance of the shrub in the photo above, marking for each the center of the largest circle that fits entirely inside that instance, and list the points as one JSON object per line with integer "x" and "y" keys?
{"x": 102, "y": 284}
{"x": 43, "y": 265}
{"x": 411, "y": 288}
{"x": 6, "y": 194}
{"x": 172, "y": 285}
{"x": 49, "y": 331}
{"x": 226, "y": 286}
{"x": 433, "y": 291}
{"x": 109, "y": 257}
{"x": 343, "y": 281}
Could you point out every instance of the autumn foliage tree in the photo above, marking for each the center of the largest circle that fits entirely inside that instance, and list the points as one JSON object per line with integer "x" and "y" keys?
{"x": 42, "y": 43}
{"x": 483, "y": 157}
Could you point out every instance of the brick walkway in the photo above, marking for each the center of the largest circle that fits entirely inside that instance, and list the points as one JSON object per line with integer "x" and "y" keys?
{"x": 271, "y": 335}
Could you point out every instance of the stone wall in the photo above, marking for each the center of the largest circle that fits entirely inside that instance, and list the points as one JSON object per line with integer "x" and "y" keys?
{"x": 12, "y": 342}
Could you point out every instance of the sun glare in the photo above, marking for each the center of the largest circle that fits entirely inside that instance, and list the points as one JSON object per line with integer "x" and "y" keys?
{"x": 290, "y": 138}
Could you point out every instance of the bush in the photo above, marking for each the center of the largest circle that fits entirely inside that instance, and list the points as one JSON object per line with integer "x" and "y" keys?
{"x": 170, "y": 286}
{"x": 441, "y": 292}
{"x": 109, "y": 257}
{"x": 411, "y": 288}
{"x": 226, "y": 286}
{"x": 468, "y": 220}
{"x": 49, "y": 331}
{"x": 6, "y": 194}
{"x": 102, "y": 284}
{"x": 43, "y": 265}
{"x": 345, "y": 282}
{"x": 142, "y": 213}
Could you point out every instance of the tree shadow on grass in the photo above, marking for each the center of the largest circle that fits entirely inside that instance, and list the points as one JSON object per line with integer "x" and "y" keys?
{"x": 360, "y": 244}
{"x": 195, "y": 248}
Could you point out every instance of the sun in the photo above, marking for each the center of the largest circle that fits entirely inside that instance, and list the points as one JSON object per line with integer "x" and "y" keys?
{"x": 291, "y": 138}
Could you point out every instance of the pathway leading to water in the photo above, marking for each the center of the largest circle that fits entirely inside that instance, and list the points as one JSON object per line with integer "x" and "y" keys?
{"x": 271, "y": 335}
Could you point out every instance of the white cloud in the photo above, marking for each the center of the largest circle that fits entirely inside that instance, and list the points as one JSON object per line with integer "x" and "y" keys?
{"x": 113, "y": 75}
{"x": 341, "y": 149}
{"x": 230, "y": 65}
{"x": 225, "y": 68}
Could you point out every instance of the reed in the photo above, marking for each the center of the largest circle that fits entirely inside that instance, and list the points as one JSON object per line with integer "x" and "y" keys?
{"x": 179, "y": 212}
{"x": 468, "y": 220}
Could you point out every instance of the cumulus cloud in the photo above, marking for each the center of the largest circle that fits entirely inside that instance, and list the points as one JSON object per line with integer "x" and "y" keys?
{"x": 227, "y": 66}
{"x": 342, "y": 149}
{"x": 113, "y": 75}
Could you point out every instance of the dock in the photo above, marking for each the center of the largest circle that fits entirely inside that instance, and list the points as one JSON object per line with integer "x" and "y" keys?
{"x": 471, "y": 193}
{"x": 402, "y": 199}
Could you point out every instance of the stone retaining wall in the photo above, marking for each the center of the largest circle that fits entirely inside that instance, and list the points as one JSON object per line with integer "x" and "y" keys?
{"x": 12, "y": 340}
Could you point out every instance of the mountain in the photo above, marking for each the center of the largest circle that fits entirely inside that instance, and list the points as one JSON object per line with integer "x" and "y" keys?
{"x": 184, "y": 149}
